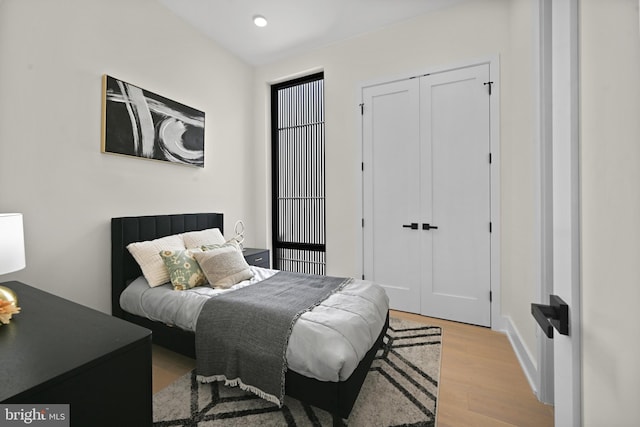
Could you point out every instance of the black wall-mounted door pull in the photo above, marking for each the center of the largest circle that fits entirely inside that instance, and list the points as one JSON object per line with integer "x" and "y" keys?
{"x": 413, "y": 225}
{"x": 555, "y": 315}
{"x": 429, "y": 227}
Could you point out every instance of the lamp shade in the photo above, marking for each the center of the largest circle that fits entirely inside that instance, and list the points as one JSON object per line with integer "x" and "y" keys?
{"x": 11, "y": 243}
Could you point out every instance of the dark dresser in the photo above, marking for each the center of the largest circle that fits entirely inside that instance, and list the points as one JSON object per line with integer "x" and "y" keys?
{"x": 59, "y": 352}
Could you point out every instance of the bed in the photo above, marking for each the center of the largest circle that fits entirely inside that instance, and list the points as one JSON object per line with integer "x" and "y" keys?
{"x": 336, "y": 397}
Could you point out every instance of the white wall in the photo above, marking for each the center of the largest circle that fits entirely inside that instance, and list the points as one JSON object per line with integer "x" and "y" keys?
{"x": 467, "y": 32}
{"x": 51, "y": 168}
{"x": 610, "y": 170}
{"x": 438, "y": 39}
{"x": 520, "y": 176}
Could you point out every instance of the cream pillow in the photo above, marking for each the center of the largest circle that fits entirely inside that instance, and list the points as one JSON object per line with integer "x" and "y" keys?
{"x": 224, "y": 266}
{"x": 147, "y": 255}
{"x": 195, "y": 239}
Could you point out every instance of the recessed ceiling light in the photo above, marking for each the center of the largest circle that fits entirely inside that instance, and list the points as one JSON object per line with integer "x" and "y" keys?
{"x": 260, "y": 21}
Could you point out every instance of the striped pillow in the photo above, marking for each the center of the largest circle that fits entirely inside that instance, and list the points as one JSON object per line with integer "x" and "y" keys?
{"x": 147, "y": 255}
{"x": 223, "y": 266}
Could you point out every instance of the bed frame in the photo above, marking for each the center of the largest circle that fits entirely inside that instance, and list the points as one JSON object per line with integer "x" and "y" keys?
{"x": 337, "y": 398}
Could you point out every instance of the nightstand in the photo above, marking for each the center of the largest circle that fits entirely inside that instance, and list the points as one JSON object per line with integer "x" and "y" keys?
{"x": 58, "y": 352}
{"x": 257, "y": 257}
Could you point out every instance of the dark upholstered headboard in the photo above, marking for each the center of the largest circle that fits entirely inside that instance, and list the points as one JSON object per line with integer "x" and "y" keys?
{"x": 126, "y": 230}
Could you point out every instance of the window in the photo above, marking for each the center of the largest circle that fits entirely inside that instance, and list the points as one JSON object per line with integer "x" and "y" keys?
{"x": 298, "y": 171}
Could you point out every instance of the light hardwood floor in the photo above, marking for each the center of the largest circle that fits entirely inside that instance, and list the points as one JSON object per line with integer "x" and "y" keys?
{"x": 481, "y": 381}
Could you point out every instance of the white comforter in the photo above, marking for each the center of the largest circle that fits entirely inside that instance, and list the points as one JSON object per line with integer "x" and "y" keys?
{"x": 326, "y": 343}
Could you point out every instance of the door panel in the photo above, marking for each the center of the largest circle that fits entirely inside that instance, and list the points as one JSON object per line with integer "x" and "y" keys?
{"x": 391, "y": 193}
{"x": 426, "y": 148}
{"x": 456, "y": 195}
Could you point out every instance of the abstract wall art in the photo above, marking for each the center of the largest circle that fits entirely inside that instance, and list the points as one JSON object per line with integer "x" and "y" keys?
{"x": 136, "y": 122}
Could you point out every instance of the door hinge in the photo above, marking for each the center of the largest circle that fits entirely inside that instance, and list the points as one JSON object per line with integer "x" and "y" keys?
{"x": 363, "y": 277}
{"x": 489, "y": 84}
{"x": 490, "y": 296}
{"x": 490, "y": 227}
{"x": 490, "y": 158}
{"x": 362, "y": 109}
{"x": 362, "y": 166}
{"x": 362, "y": 222}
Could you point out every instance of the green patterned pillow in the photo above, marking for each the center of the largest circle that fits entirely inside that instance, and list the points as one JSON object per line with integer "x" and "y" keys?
{"x": 184, "y": 271}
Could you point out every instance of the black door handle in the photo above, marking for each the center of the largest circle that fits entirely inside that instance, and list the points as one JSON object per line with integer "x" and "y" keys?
{"x": 554, "y": 315}
{"x": 413, "y": 226}
{"x": 429, "y": 226}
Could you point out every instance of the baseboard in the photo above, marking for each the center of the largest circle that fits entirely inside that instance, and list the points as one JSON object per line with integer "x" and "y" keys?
{"x": 527, "y": 362}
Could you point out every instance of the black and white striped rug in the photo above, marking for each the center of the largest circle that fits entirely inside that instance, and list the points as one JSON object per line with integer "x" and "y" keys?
{"x": 401, "y": 389}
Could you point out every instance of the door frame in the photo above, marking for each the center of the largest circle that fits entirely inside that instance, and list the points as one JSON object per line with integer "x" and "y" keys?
{"x": 497, "y": 321}
{"x": 566, "y": 207}
{"x": 559, "y": 191}
{"x": 543, "y": 51}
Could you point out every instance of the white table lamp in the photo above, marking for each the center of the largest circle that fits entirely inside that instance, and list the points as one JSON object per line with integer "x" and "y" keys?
{"x": 11, "y": 250}
{"x": 11, "y": 243}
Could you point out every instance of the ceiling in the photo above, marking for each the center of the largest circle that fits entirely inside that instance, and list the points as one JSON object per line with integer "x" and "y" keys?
{"x": 294, "y": 25}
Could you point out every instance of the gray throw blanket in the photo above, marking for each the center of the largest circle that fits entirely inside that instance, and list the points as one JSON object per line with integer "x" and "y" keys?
{"x": 242, "y": 336}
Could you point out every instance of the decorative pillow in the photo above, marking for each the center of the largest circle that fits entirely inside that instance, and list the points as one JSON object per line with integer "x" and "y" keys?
{"x": 195, "y": 239}
{"x": 223, "y": 266}
{"x": 147, "y": 255}
{"x": 184, "y": 271}
{"x": 230, "y": 243}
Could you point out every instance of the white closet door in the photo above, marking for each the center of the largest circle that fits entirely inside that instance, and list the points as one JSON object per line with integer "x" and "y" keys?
{"x": 455, "y": 195}
{"x": 391, "y": 155}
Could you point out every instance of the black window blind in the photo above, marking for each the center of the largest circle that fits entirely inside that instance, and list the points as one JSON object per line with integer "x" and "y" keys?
{"x": 298, "y": 175}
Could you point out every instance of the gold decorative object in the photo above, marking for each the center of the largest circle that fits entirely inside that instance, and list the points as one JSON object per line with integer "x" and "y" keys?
{"x": 7, "y": 294}
{"x": 8, "y": 305}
